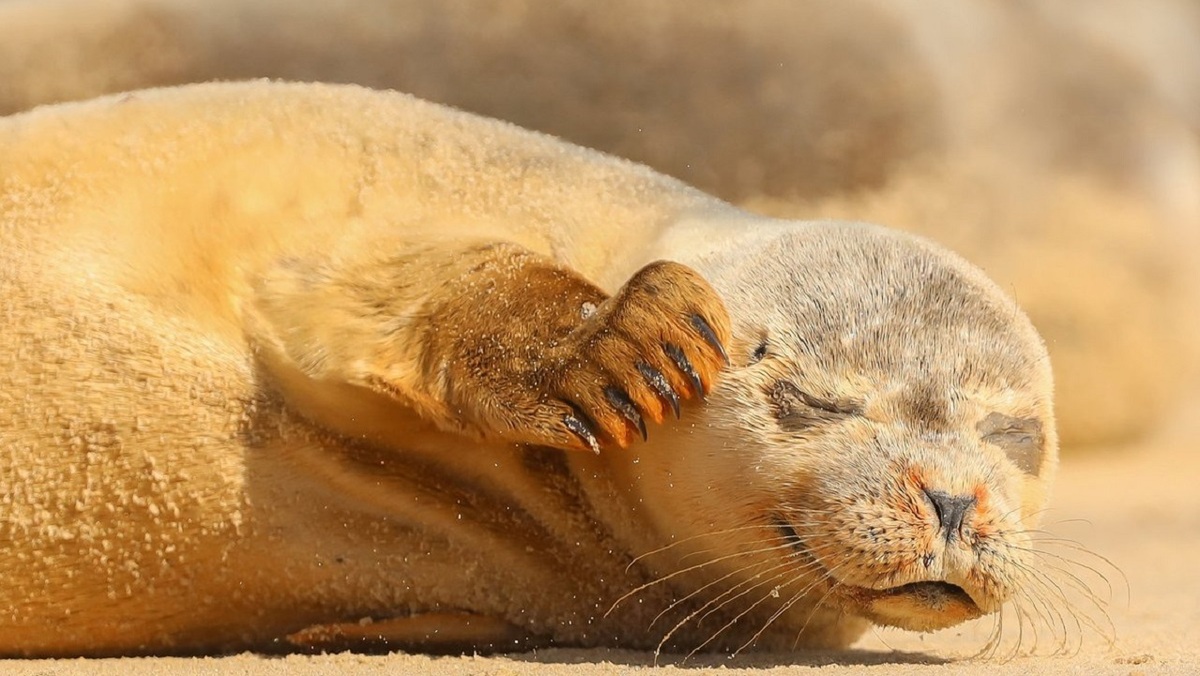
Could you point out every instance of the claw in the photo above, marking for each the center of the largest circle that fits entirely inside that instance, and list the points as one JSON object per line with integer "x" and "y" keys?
{"x": 581, "y": 430}
{"x": 676, "y": 354}
{"x": 621, "y": 401}
{"x": 705, "y": 330}
{"x": 659, "y": 382}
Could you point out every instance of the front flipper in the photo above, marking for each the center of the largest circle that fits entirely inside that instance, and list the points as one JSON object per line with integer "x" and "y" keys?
{"x": 491, "y": 340}
{"x": 443, "y": 633}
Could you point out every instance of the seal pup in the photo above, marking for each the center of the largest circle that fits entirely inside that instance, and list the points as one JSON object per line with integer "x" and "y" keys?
{"x": 306, "y": 366}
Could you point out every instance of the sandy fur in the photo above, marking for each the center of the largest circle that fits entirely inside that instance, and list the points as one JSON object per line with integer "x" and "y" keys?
{"x": 231, "y": 412}
{"x": 94, "y": 326}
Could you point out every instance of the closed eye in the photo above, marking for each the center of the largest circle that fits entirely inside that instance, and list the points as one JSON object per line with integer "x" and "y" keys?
{"x": 797, "y": 410}
{"x": 1021, "y": 439}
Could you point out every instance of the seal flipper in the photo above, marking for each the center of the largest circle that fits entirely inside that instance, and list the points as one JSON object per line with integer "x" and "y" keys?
{"x": 444, "y": 633}
{"x": 485, "y": 339}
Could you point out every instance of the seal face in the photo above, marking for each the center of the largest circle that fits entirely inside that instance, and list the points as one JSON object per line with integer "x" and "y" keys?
{"x": 321, "y": 367}
{"x": 888, "y": 427}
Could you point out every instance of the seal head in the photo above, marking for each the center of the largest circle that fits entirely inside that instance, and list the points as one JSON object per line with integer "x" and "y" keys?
{"x": 884, "y": 441}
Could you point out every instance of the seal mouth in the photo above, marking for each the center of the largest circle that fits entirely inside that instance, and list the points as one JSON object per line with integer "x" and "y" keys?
{"x": 934, "y": 588}
{"x": 934, "y": 593}
{"x": 917, "y": 606}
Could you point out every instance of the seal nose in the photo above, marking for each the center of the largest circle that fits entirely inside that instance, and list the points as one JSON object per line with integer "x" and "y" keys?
{"x": 950, "y": 510}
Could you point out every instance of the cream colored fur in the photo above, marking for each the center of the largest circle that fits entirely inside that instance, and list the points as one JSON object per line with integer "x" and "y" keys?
{"x": 177, "y": 478}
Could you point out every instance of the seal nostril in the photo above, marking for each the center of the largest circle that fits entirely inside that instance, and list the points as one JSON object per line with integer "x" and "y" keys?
{"x": 951, "y": 510}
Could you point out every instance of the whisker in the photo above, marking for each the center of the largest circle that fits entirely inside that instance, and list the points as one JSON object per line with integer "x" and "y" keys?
{"x": 693, "y": 538}
{"x": 689, "y": 569}
{"x": 1075, "y": 546}
{"x": 1082, "y": 619}
{"x": 1074, "y": 580}
{"x": 742, "y": 614}
{"x": 699, "y": 590}
{"x": 791, "y": 569}
{"x": 783, "y": 609}
{"x": 720, "y": 603}
{"x": 813, "y": 612}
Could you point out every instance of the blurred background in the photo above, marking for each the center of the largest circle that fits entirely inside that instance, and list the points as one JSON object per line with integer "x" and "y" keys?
{"x": 1055, "y": 144}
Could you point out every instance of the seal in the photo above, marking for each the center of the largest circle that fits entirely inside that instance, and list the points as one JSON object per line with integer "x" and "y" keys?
{"x": 292, "y": 367}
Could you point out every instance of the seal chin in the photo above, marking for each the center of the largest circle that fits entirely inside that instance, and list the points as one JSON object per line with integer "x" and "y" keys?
{"x": 917, "y": 606}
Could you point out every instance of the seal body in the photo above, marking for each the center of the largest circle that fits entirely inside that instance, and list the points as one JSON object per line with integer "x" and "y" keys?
{"x": 302, "y": 366}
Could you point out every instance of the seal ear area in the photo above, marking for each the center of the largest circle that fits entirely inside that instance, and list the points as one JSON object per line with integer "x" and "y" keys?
{"x": 796, "y": 410}
{"x": 761, "y": 349}
{"x": 1021, "y": 439}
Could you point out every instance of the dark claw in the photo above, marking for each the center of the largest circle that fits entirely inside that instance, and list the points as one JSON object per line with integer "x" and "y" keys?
{"x": 705, "y": 329}
{"x": 681, "y": 361}
{"x": 582, "y": 431}
{"x": 659, "y": 382}
{"x": 621, "y": 401}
